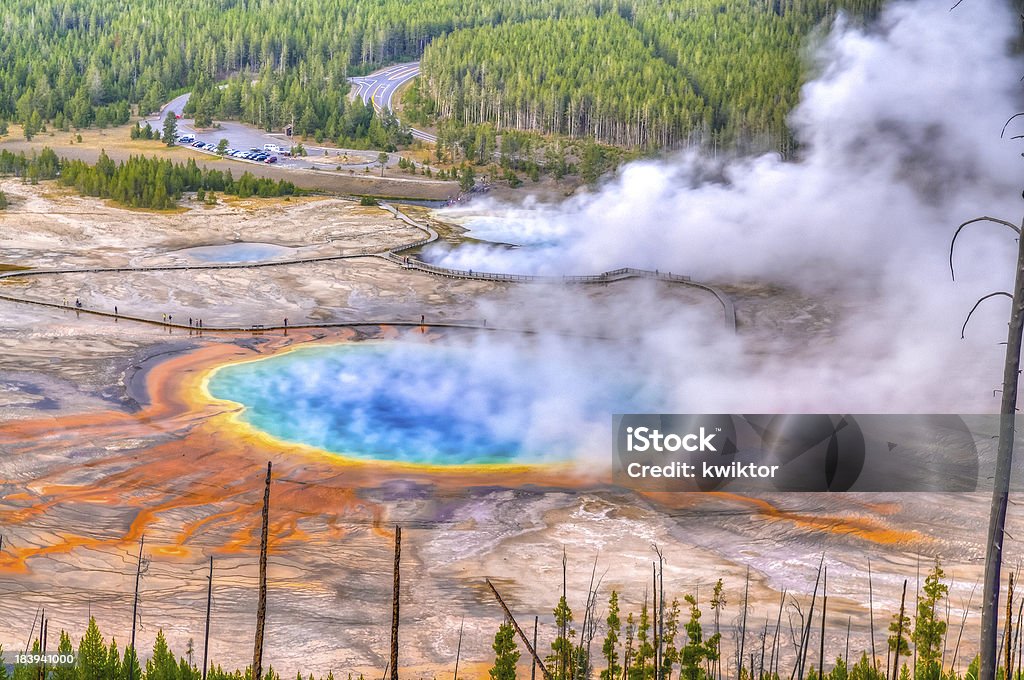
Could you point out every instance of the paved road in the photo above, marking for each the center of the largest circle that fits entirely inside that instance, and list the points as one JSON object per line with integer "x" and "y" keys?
{"x": 380, "y": 86}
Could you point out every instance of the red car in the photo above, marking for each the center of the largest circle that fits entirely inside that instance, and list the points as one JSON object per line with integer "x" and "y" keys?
{"x": 272, "y": 159}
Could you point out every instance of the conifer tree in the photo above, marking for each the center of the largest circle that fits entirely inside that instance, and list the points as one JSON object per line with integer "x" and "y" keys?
{"x": 92, "y": 654}
{"x": 170, "y": 133}
{"x": 610, "y": 648}
{"x": 506, "y": 653}
{"x": 63, "y": 671}
{"x": 930, "y": 629}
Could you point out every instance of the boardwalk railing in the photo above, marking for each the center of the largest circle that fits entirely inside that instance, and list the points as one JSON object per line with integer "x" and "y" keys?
{"x": 392, "y": 255}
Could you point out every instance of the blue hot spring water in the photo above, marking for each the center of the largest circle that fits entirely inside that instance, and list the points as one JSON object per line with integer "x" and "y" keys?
{"x": 414, "y": 403}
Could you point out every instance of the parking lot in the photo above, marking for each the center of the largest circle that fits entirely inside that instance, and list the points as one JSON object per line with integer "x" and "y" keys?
{"x": 245, "y": 140}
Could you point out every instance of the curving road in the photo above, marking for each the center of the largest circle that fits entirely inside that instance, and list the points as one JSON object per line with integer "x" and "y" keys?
{"x": 379, "y": 87}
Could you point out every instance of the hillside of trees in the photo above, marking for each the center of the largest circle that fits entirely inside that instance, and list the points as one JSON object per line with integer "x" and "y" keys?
{"x": 84, "y": 62}
{"x": 632, "y": 72}
{"x": 649, "y": 73}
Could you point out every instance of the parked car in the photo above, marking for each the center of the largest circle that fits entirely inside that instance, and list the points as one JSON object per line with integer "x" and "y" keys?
{"x": 272, "y": 159}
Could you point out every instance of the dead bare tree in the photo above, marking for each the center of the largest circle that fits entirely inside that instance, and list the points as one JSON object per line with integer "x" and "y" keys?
{"x": 824, "y": 612}
{"x": 519, "y": 631}
{"x": 458, "y": 650}
{"x": 533, "y": 662}
{"x": 899, "y": 634}
{"x": 589, "y": 627}
{"x": 846, "y": 653}
{"x": 775, "y": 638}
{"x": 261, "y": 606}
{"x": 1004, "y": 454}
{"x": 32, "y": 632}
{"x": 871, "y": 617}
{"x": 743, "y": 625}
{"x": 945, "y": 633}
{"x": 396, "y": 591}
{"x": 1009, "y": 625}
{"x": 660, "y": 620}
{"x": 917, "y": 603}
{"x": 135, "y": 603}
{"x": 42, "y": 648}
{"x": 796, "y": 640}
{"x": 209, "y": 604}
{"x": 963, "y": 622}
{"x": 764, "y": 641}
{"x": 805, "y": 640}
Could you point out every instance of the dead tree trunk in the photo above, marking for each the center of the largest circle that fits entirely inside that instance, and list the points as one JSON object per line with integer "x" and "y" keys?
{"x": 824, "y": 613}
{"x": 458, "y": 650}
{"x": 135, "y": 605}
{"x": 871, "y": 617}
{"x": 261, "y": 607}
{"x": 776, "y": 641}
{"x": 1004, "y": 455}
{"x": 846, "y": 654}
{"x": 806, "y": 632}
{"x": 657, "y": 640}
{"x": 899, "y": 635}
{"x": 1009, "y": 626}
{"x": 394, "y": 604}
{"x": 42, "y": 649}
{"x": 743, "y": 625}
{"x": 519, "y": 631}
{"x": 209, "y": 604}
{"x": 533, "y": 662}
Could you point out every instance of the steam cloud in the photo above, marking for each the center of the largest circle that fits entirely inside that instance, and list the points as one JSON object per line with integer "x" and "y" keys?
{"x": 900, "y": 143}
{"x": 837, "y": 260}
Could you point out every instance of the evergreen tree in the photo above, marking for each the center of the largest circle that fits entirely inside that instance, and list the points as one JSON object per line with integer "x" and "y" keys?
{"x": 642, "y": 667}
{"x": 610, "y": 648}
{"x": 899, "y": 635}
{"x": 113, "y": 666}
{"x": 130, "y": 661}
{"x": 170, "y": 131}
{"x": 506, "y": 653}
{"x": 92, "y": 654}
{"x": 467, "y": 179}
{"x": 28, "y": 671}
{"x": 670, "y": 651}
{"x": 162, "y": 665}
{"x": 930, "y": 629}
{"x": 562, "y": 649}
{"x": 697, "y": 650}
{"x": 63, "y": 671}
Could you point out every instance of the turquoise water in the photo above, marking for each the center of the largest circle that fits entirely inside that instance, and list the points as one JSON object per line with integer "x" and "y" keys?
{"x": 235, "y": 252}
{"x": 413, "y": 403}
